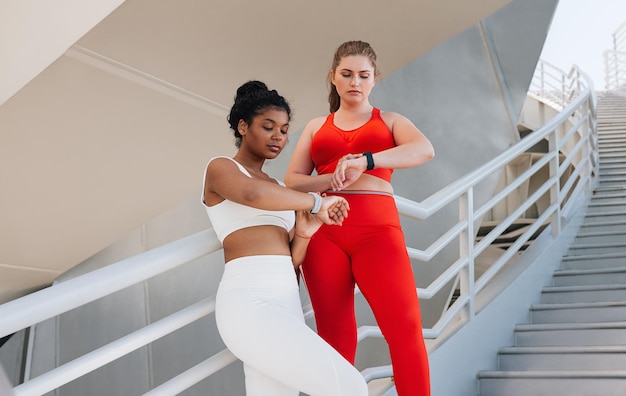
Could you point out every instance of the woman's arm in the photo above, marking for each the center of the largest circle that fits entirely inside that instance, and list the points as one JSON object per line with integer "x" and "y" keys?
{"x": 224, "y": 180}
{"x": 298, "y": 175}
{"x": 306, "y": 225}
{"x": 412, "y": 148}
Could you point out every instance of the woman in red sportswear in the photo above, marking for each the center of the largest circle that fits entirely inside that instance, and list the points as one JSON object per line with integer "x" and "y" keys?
{"x": 354, "y": 151}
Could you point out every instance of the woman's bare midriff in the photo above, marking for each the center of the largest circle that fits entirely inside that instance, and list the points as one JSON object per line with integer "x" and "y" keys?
{"x": 371, "y": 183}
{"x": 255, "y": 241}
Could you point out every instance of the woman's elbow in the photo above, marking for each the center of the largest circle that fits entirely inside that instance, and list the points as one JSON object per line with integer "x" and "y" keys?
{"x": 429, "y": 154}
{"x": 288, "y": 179}
{"x": 424, "y": 154}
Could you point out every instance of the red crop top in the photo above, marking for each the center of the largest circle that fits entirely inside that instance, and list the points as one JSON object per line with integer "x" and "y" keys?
{"x": 330, "y": 143}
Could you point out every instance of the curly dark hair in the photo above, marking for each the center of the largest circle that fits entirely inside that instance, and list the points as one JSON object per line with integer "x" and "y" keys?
{"x": 252, "y": 99}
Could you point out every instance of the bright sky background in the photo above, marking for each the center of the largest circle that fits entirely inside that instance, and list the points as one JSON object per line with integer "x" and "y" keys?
{"x": 580, "y": 32}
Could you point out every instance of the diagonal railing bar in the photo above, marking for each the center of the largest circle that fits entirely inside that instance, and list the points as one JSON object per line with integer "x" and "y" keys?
{"x": 93, "y": 360}
{"x": 73, "y": 293}
{"x": 194, "y": 375}
{"x": 514, "y": 248}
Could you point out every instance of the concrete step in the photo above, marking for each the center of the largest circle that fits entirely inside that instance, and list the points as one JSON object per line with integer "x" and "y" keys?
{"x": 608, "y": 146}
{"x": 604, "y": 216}
{"x": 571, "y": 334}
{"x": 553, "y": 383}
{"x": 611, "y": 203}
{"x": 612, "y": 172}
{"x": 612, "y": 150}
{"x": 612, "y": 184}
{"x": 605, "y": 247}
{"x": 611, "y": 162}
{"x": 600, "y": 237}
{"x": 611, "y": 167}
{"x": 582, "y": 294}
{"x": 588, "y": 312}
{"x": 611, "y": 146}
{"x": 562, "y": 358}
{"x": 618, "y": 226}
{"x": 593, "y": 261}
{"x": 590, "y": 276}
{"x": 612, "y": 130}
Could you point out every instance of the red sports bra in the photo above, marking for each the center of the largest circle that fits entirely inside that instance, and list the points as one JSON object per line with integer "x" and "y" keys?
{"x": 330, "y": 143}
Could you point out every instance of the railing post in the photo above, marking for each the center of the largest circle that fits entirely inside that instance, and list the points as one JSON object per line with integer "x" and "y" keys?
{"x": 563, "y": 91}
{"x": 543, "y": 78}
{"x": 466, "y": 249}
{"x": 555, "y": 189}
{"x": 590, "y": 146}
{"x": 616, "y": 69}
{"x": 616, "y": 60}
{"x": 607, "y": 70}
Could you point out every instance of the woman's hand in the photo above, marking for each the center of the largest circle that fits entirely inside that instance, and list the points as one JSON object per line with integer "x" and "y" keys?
{"x": 307, "y": 224}
{"x": 349, "y": 168}
{"x": 334, "y": 210}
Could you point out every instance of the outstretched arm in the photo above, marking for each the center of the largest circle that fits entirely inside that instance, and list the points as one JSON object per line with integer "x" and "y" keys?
{"x": 412, "y": 148}
{"x": 224, "y": 180}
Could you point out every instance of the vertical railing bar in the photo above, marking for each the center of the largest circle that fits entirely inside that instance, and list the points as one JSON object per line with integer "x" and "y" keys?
{"x": 553, "y": 144}
{"x": 466, "y": 249}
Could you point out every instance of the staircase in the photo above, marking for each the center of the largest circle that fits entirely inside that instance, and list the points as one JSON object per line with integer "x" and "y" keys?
{"x": 575, "y": 344}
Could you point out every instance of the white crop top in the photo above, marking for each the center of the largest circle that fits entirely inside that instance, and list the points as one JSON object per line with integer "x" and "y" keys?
{"x": 228, "y": 216}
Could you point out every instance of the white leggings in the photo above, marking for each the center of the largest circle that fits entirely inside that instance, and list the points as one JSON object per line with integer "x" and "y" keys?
{"x": 259, "y": 317}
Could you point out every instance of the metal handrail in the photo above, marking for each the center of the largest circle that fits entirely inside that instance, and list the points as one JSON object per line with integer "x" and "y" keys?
{"x": 575, "y": 98}
{"x": 615, "y": 60}
{"x": 554, "y": 86}
{"x": 614, "y": 69}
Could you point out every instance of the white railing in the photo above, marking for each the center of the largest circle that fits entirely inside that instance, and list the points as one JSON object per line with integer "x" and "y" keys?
{"x": 615, "y": 60}
{"x": 552, "y": 85}
{"x": 578, "y": 110}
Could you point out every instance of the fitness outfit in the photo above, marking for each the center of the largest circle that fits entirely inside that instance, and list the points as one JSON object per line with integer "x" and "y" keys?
{"x": 369, "y": 249}
{"x": 259, "y": 317}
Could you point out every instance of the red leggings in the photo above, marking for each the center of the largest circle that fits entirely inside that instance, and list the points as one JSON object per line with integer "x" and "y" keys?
{"x": 369, "y": 250}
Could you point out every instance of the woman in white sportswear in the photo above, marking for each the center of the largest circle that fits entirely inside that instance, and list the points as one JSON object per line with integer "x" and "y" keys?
{"x": 264, "y": 229}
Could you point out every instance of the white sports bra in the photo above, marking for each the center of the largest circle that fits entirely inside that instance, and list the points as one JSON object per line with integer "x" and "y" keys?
{"x": 228, "y": 216}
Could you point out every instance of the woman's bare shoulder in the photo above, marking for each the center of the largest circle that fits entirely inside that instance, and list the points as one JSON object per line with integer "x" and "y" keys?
{"x": 315, "y": 124}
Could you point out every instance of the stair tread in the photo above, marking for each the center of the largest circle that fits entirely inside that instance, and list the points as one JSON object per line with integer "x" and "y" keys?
{"x": 606, "y": 213}
{"x": 597, "y": 245}
{"x": 563, "y": 349}
{"x": 576, "y": 288}
{"x": 575, "y": 305}
{"x": 570, "y": 326}
{"x": 590, "y": 271}
{"x": 604, "y": 223}
{"x": 554, "y": 374}
{"x": 599, "y": 233}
